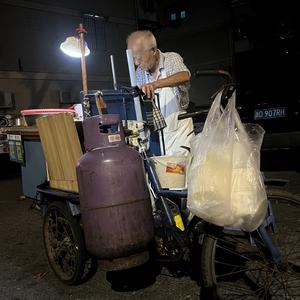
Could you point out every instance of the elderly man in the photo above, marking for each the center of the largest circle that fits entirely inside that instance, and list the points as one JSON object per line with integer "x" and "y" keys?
{"x": 167, "y": 75}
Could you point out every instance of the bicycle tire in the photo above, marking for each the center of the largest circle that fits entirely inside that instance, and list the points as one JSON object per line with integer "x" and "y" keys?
{"x": 65, "y": 246}
{"x": 232, "y": 268}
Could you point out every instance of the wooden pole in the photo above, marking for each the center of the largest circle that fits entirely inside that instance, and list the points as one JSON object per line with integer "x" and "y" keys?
{"x": 83, "y": 64}
{"x": 86, "y": 104}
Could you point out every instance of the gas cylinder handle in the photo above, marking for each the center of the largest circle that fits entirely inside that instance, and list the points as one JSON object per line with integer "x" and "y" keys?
{"x": 110, "y": 124}
{"x": 108, "y": 129}
{"x": 103, "y": 131}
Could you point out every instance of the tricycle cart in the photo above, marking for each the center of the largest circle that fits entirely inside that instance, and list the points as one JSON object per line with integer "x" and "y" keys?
{"x": 263, "y": 264}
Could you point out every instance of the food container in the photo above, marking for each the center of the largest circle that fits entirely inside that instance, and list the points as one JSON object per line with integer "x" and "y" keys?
{"x": 171, "y": 171}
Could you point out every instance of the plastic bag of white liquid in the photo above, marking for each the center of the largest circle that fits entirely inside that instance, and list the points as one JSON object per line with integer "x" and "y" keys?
{"x": 225, "y": 186}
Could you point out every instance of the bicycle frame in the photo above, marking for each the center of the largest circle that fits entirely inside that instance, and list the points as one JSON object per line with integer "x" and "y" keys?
{"x": 159, "y": 192}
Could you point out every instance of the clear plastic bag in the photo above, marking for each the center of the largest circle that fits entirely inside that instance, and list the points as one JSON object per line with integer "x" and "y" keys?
{"x": 225, "y": 186}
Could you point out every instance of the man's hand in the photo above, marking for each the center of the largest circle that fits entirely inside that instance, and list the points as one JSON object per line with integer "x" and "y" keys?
{"x": 148, "y": 89}
{"x": 173, "y": 80}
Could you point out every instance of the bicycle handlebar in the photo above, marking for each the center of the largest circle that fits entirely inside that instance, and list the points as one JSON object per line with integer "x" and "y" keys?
{"x": 193, "y": 114}
{"x": 213, "y": 73}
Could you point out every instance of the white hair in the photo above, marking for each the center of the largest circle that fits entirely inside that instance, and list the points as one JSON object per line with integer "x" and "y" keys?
{"x": 143, "y": 37}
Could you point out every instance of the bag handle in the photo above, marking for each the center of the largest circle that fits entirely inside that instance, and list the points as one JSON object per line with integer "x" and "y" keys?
{"x": 214, "y": 114}
{"x": 217, "y": 111}
{"x": 231, "y": 105}
{"x": 236, "y": 118}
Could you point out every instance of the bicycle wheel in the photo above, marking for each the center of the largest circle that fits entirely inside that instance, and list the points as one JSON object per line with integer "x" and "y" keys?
{"x": 65, "y": 247}
{"x": 237, "y": 265}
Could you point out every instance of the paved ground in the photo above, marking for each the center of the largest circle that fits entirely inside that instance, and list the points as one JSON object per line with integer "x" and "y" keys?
{"x": 25, "y": 273}
{"x": 289, "y": 181}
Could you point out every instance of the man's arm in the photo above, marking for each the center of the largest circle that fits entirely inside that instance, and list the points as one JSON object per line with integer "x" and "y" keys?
{"x": 172, "y": 80}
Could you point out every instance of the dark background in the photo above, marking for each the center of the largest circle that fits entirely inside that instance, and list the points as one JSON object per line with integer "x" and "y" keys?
{"x": 256, "y": 41}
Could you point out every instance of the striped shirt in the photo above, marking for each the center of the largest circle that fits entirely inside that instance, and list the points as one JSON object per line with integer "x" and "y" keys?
{"x": 172, "y": 63}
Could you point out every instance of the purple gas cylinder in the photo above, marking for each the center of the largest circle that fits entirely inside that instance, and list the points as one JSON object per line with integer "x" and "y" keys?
{"x": 114, "y": 199}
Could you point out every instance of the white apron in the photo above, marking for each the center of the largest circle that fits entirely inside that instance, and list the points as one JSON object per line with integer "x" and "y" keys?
{"x": 178, "y": 132}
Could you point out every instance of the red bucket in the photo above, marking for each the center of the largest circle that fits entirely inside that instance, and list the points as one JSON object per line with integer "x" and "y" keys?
{"x": 30, "y": 115}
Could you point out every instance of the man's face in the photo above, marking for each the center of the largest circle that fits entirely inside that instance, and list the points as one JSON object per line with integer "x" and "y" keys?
{"x": 143, "y": 57}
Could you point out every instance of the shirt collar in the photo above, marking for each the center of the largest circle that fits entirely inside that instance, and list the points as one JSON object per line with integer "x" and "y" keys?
{"x": 161, "y": 60}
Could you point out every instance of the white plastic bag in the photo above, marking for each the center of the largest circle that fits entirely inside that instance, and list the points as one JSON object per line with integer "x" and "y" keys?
{"x": 225, "y": 186}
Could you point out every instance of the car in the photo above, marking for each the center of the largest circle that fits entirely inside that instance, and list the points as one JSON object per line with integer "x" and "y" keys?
{"x": 267, "y": 94}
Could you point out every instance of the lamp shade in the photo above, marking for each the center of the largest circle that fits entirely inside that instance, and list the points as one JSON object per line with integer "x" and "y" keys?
{"x": 71, "y": 47}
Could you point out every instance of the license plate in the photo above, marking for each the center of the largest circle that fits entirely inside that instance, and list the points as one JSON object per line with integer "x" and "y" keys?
{"x": 269, "y": 113}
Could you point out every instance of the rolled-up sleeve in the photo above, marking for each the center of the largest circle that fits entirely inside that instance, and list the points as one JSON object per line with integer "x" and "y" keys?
{"x": 177, "y": 64}
{"x": 174, "y": 64}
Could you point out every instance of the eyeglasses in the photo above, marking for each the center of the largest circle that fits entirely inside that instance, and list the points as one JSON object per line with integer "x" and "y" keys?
{"x": 139, "y": 58}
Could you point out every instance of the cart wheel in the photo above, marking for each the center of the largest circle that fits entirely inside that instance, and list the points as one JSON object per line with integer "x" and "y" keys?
{"x": 65, "y": 247}
{"x": 234, "y": 268}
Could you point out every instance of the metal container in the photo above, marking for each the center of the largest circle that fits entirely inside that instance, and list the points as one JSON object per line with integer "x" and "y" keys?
{"x": 18, "y": 122}
{"x": 114, "y": 199}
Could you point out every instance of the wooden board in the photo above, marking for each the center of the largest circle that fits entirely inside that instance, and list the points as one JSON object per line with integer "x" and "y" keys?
{"x": 61, "y": 148}
{"x": 27, "y": 133}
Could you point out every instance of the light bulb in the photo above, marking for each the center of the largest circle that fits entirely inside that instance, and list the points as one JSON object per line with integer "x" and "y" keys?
{"x": 71, "y": 47}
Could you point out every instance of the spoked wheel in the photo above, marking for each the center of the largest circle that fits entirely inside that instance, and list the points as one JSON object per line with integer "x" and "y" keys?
{"x": 65, "y": 247}
{"x": 236, "y": 265}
